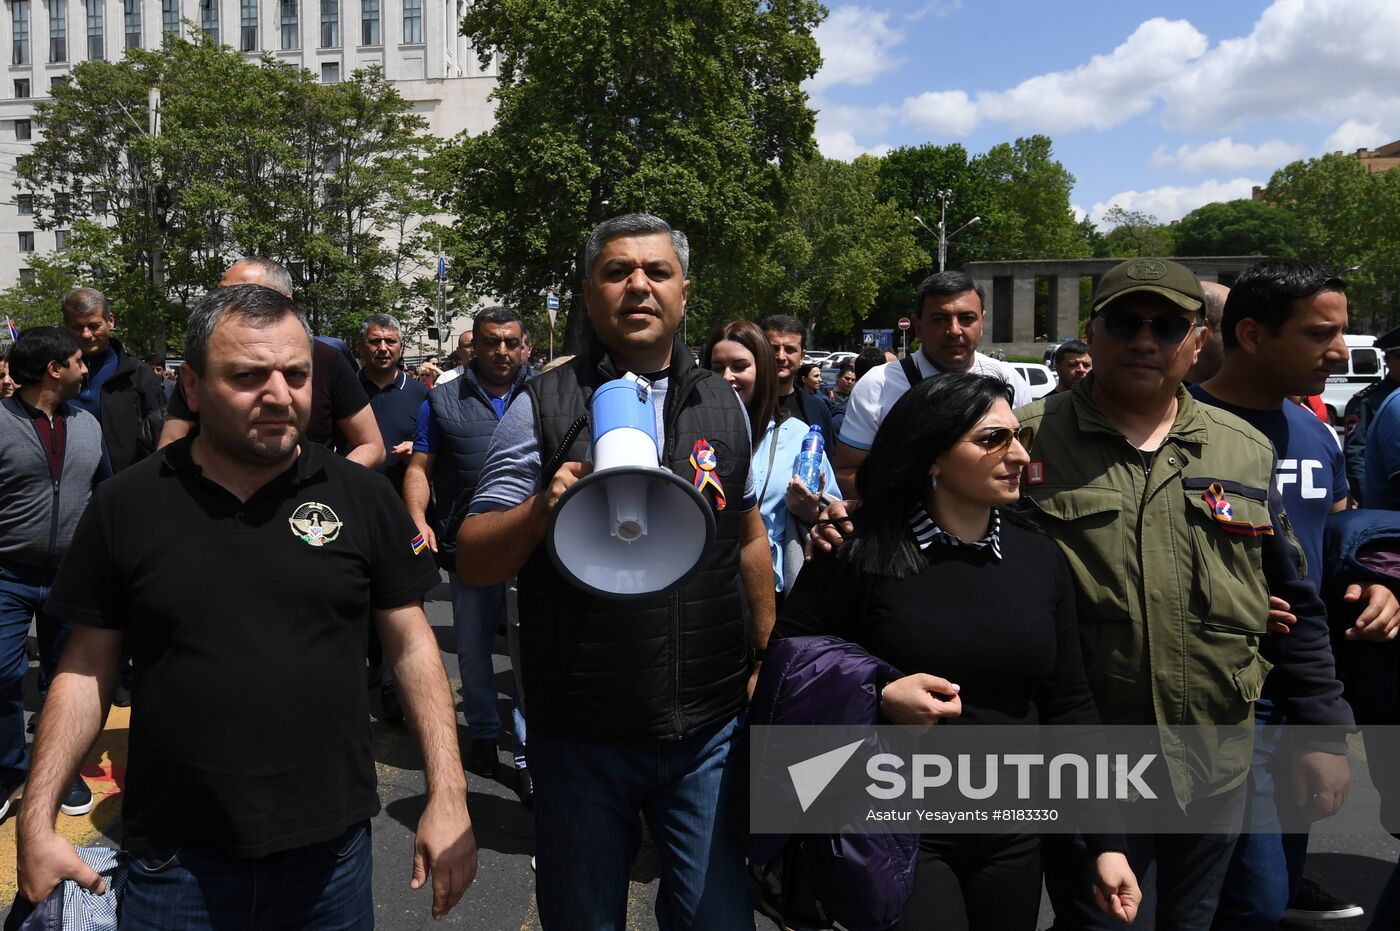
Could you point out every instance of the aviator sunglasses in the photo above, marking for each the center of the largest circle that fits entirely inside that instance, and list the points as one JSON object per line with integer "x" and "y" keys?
{"x": 997, "y": 440}
{"x": 1168, "y": 329}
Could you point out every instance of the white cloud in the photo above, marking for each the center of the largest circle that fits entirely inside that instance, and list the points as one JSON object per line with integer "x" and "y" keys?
{"x": 1173, "y": 203}
{"x": 1108, "y": 90}
{"x": 1079, "y": 213}
{"x": 1227, "y": 155}
{"x": 945, "y": 112}
{"x": 840, "y": 144}
{"x": 1311, "y": 59}
{"x": 1354, "y": 134}
{"x": 857, "y": 47}
{"x": 935, "y": 8}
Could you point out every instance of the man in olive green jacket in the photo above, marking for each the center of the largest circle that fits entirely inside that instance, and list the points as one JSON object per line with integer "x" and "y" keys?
{"x": 1165, "y": 511}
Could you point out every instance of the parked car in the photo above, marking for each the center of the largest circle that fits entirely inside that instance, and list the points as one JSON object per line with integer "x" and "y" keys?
{"x": 1364, "y": 365}
{"x": 1039, "y": 377}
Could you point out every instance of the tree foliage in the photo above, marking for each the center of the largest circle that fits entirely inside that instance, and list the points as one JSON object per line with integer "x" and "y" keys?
{"x": 251, "y": 158}
{"x": 1134, "y": 233}
{"x": 839, "y": 244}
{"x": 1237, "y": 227}
{"x": 694, "y": 113}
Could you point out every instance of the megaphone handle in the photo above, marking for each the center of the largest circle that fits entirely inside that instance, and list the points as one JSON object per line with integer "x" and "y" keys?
{"x": 562, "y": 453}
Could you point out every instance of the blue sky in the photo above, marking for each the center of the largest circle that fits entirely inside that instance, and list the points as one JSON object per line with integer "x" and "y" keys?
{"x": 1154, "y": 106}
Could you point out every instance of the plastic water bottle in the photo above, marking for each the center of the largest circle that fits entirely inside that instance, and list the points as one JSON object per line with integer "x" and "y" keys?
{"x": 808, "y": 464}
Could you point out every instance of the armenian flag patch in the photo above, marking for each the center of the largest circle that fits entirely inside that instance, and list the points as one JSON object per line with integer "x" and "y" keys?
{"x": 419, "y": 544}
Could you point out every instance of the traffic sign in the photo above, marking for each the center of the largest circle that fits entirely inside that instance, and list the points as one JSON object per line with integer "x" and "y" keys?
{"x": 552, "y": 302}
{"x": 904, "y": 323}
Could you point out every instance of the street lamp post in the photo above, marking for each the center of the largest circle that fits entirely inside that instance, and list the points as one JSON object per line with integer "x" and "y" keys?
{"x": 943, "y": 236}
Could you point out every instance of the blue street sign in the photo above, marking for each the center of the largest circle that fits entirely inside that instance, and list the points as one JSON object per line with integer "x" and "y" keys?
{"x": 442, "y": 267}
{"x": 552, "y": 302}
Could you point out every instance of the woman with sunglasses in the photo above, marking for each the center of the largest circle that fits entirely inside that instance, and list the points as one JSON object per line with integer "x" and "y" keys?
{"x": 977, "y": 609}
{"x": 739, "y": 353}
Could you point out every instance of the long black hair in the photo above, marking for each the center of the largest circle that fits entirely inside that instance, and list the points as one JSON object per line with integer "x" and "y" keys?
{"x": 923, "y": 425}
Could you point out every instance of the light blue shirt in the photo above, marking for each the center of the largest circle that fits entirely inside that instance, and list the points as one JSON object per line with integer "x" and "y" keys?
{"x": 782, "y": 452}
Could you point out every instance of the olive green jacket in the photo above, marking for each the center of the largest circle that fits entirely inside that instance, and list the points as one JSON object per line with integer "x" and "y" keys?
{"x": 1173, "y": 607}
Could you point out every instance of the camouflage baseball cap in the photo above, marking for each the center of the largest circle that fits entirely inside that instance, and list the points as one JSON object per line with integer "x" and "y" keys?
{"x": 1176, "y": 283}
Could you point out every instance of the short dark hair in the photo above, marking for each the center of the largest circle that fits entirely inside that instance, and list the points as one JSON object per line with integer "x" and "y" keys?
{"x": 36, "y": 347}
{"x": 633, "y": 224}
{"x": 85, "y": 301}
{"x": 1072, "y": 347}
{"x": 848, "y": 366}
{"x": 382, "y": 321}
{"x": 869, "y": 357}
{"x": 499, "y": 316}
{"x": 946, "y": 284}
{"x": 1267, "y": 292}
{"x": 785, "y": 323}
{"x": 253, "y": 303}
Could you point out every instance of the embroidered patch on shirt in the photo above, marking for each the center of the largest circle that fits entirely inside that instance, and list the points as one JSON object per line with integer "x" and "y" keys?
{"x": 1035, "y": 472}
{"x": 315, "y": 523}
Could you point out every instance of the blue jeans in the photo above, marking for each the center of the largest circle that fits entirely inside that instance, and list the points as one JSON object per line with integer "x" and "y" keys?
{"x": 476, "y": 613}
{"x": 1267, "y": 864}
{"x": 322, "y": 887}
{"x": 588, "y": 796}
{"x": 22, "y": 597}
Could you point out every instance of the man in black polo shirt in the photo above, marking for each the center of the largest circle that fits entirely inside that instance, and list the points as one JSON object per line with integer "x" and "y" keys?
{"x": 339, "y": 411}
{"x": 247, "y": 805}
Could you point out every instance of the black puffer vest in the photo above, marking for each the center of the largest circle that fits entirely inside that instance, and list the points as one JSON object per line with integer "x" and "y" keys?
{"x": 662, "y": 667}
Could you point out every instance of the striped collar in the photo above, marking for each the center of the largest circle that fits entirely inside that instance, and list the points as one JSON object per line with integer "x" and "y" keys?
{"x": 927, "y": 533}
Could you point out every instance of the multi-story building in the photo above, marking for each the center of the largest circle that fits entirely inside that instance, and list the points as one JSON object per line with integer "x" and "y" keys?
{"x": 416, "y": 42}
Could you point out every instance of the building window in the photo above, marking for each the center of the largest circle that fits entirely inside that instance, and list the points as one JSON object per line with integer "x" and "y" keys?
{"x": 62, "y": 203}
{"x": 19, "y": 19}
{"x": 58, "y": 30}
{"x": 25, "y": 204}
{"x": 170, "y": 16}
{"x": 330, "y": 72}
{"x": 369, "y": 22}
{"x": 23, "y": 130}
{"x": 26, "y": 242}
{"x": 60, "y": 239}
{"x": 209, "y": 18}
{"x": 57, "y": 82}
{"x": 21, "y": 87}
{"x": 96, "y": 48}
{"x": 131, "y": 12}
{"x": 249, "y": 22}
{"x": 291, "y": 26}
{"x": 412, "y": 22}
{"x": 26, "y": 276}
{"x": 99, "y": 203}
{"x": 330, "y": 23}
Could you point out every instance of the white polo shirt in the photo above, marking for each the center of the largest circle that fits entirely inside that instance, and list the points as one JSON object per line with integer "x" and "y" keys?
{"x": 875, "y": 394}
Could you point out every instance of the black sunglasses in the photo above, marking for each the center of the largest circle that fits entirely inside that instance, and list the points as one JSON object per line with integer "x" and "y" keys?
{"x": 997, "y": 440}
{"x": 1168, "y": 329}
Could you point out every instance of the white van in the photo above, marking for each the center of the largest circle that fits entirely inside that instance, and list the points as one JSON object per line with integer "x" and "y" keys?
{"x": 1365, "y": 365}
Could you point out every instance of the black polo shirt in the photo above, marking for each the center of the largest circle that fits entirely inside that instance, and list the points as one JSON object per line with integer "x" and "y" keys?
{"x": 246, "y": 623}
{"x": 395, "y": 409}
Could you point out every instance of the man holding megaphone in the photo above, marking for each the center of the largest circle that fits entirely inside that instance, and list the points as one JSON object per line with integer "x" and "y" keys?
{"x": 635, "y": 686}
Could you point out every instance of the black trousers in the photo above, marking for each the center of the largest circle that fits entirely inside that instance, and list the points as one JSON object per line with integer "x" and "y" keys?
{"x": 975, "y": 882}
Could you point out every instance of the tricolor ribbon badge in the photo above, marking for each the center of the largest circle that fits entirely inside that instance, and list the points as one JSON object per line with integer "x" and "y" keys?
{"x": 419, "y": 544}
{"x": 1225, "y": 515}
{"x": 702, "y": 456}
{"x": 14, "y": 331}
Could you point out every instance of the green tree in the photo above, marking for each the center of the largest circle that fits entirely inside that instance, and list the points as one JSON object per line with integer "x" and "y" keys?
{"x": 840, "y": 244}
{"x": 1237, "y": 227}
{"x": 252, "y": 157}
{"x": 1134, "y": 233}
{"x": 1030, "y": 215}
{"x": 692, "y": 113}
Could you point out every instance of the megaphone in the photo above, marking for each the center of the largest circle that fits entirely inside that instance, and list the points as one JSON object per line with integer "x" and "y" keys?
{"x": 630, "y": 528}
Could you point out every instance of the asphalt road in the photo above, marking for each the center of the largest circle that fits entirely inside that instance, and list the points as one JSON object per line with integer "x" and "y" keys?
{"x": 1351, "y": 856}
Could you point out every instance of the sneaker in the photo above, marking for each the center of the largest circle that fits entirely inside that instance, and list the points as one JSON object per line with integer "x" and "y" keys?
{"x": 78, "y": 801}
{"x": 121, "y": 696}
{"x": 525, "y": 788}
{"x": 482, "y": 759}
{"x": 1314, "y": 903}
{"x": 11, "y": 785}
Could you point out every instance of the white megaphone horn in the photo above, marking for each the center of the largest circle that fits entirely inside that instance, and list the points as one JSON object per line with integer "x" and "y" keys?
{"x": 630, "y": 528}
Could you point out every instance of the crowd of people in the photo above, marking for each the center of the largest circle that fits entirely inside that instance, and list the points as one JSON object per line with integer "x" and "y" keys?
{"x": 1148, "y": 545}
